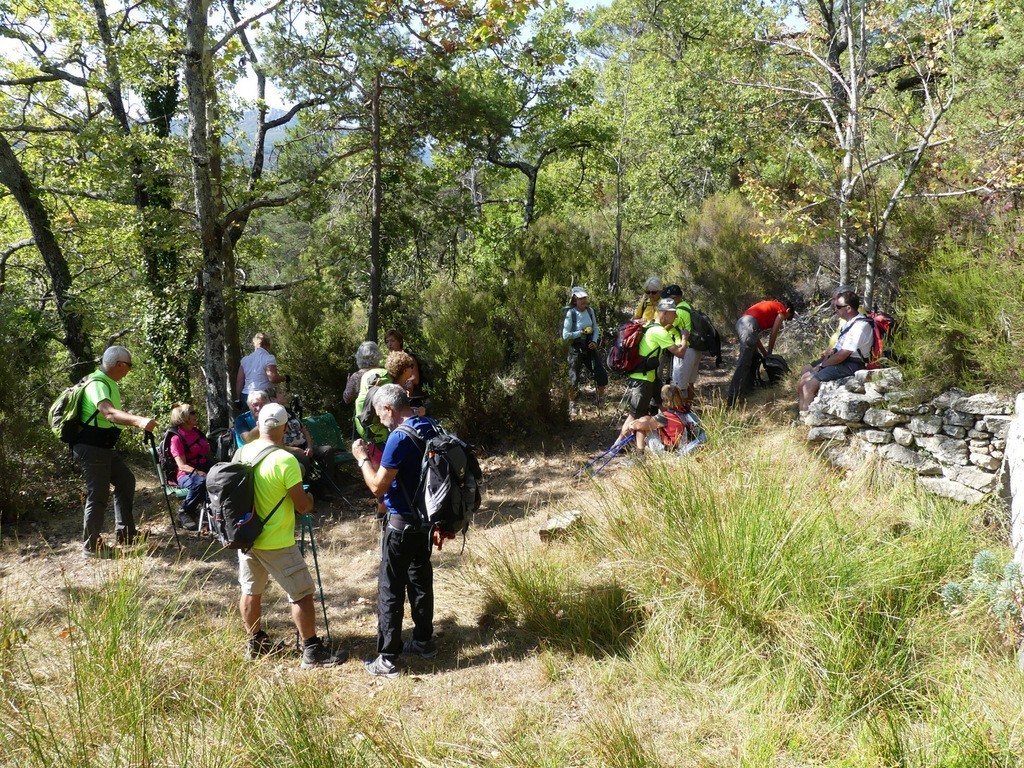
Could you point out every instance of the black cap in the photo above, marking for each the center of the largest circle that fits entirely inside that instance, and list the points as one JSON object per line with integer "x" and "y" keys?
{"x": 672, "y": 292}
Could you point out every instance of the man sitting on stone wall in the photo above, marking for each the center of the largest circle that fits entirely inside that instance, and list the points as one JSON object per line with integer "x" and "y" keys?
{"x": 849, "y": 355}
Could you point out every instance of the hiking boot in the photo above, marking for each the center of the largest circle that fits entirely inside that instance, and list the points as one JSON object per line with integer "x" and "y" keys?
{"x": 188, "y": 522}
{"x": 381, "y": 667}
{"x": 319, "y": 655}
{"x": 260, "y": 645}
{"x": 100, "y": 550}
{"x": 424, "y": 649}
{"x": 125, "y": 538}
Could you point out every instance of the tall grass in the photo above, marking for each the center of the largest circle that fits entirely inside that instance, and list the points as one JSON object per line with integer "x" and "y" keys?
{"x": 754, "y": 566}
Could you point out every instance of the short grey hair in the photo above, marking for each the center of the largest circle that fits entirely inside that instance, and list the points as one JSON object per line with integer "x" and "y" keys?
{"x": 257, "y": 396}
{"x": 653, "y": 284}
{"x": 391, "y": 395}
{"x": 113, "y": 355}
{"x": 368, "y": 354}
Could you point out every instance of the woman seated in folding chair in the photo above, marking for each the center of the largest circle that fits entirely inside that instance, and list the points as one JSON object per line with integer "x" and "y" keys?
{"x": 671, "y": 424}
{"x": 191, "y": 452}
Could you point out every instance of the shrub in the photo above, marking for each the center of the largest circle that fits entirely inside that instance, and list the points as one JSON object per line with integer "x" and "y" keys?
{"x": 962, "y": 317}
{"x": 725, "y": 261}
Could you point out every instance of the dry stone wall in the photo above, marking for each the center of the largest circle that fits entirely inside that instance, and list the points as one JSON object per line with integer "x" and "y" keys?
{"x": 955, "y": 442}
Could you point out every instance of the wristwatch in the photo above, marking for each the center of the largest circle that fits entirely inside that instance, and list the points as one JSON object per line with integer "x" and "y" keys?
{"x": 359, "y": 464}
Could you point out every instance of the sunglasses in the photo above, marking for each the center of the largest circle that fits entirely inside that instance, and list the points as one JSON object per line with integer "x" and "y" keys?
{"x": 841, "y": 306}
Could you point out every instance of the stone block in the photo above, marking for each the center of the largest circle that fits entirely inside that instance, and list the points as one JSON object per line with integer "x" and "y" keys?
{"x": 946, "y": 399}
{"x": 985, "y": 461}
{"x": 926, "y": 425}
{"x": 827, "y": 434}
{"x": 979, "y": 446}
{"x": 911, "y": 410}
{"x": 903, "y": 436}
{"x": 958, "y": 418}
{"x": 947, "y": 450}
{"x": 972, "y": 477}
{"x": 996, "y": 454}
{"x": 852, "y": 385}
{"x": 879, "y": 417}
{"x": 998, "y": 445}
{"x": 950, "y": 489}
{"x": 881, "y": 379}
{"x": 997, "y": 426}
{"x": 840, "y": 404}
{"x": 977, "y": 434}
{"x": 815, "y": 418}
{"x": 954, "y": 431}
{"x": 905, "y": 457}
{"x": 906, "y": 398}
{"x": 985, "y": 404}
{"x": 875, "y": 436}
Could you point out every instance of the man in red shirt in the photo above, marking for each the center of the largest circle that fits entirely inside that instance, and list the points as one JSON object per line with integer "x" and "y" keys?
{"x": 761, "y": 317}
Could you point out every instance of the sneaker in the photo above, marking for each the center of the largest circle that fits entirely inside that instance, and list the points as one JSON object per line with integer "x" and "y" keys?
{"x": 381, "y": 667}
{"x": 320, "y": 655}
{"x": 100, "y": 550}
{"x": 260, "y": 645}
{"x": 425, "y": 650}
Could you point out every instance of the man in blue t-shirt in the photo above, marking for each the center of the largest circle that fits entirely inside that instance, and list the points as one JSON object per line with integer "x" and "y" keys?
{"x": 405, "y": 549}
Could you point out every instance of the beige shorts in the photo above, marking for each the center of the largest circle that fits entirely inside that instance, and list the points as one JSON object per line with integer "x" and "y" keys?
{"x": 286, "y": 566}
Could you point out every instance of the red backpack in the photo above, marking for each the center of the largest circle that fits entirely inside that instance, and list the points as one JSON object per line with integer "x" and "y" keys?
{"x": 881, "y": 325}
{"x": 624, "y": 356}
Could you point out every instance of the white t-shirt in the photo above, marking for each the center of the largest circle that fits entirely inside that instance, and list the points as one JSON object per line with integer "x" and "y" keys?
{"x": 255, "y": 367}
{"x": 857, "y": 336}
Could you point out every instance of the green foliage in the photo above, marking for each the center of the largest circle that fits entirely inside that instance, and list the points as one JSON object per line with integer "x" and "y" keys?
{"x": 721, "y": 254}
{"x": 961, "y": 316}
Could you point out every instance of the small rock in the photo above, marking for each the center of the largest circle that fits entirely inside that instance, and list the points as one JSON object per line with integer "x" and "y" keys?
{"x": 560, "y": 524}
{"x": 996, "y": 454}
{"x": 972, "y": 477}
{"x": 954, "y": 431}
{"x": 951, "y": 490}
{"x": 875, "y": 436}
{"x": 985, "y": 461}
{"x": 998, "y": 445}
{"x": 977, "y": 434}
{"x": 946, "y": 449}
{"x": 947, "y": 398}
{"x": 827, "y": 434}
{"x": 903, "y": 436}
{"x": 998, "y": 426}
{"x": 879, "y": 417}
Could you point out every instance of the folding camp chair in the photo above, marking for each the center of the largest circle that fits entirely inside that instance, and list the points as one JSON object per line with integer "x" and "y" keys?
{"x": 168, "y": 489}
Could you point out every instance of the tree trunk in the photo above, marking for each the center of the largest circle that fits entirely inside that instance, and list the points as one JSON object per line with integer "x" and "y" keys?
{"x": 205, "y": 178}
{"x": 376, "y": 203}
{"x": 76, "y": 340}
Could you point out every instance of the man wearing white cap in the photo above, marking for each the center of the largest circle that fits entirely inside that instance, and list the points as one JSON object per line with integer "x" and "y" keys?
{"x": 279, "y": 495}
{"x": 581, "y": 331}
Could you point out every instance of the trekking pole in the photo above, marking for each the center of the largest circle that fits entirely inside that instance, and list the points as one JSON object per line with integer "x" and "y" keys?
{"x": 163, "y": 487}
{"x": 306, "y": 523}
{"x": 615, "y": 450}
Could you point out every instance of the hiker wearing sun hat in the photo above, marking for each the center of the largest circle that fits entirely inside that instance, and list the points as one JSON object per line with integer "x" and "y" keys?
{"x": 580, "y": 329}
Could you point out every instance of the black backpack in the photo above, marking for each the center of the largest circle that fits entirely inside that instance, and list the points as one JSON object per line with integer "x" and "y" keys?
{"x": 449, "y": 489}
{"x": 231, "y": 489}
{"x": 704, "y": 337}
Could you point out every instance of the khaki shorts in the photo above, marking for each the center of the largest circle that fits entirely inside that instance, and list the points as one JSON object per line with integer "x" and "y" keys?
{"x": 286, "y": 566}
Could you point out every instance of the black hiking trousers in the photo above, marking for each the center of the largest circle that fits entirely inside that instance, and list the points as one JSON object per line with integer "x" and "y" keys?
{"x": 404, "y": 569}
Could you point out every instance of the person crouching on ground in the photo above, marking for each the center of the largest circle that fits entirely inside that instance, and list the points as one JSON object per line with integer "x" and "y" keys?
{"x": 849, "y": 355}
{"x": 191, "y": 452}
{"x": 580, "y": 329}
{"x": 405, "y": 546}
{"x": 669, "y": 425}
{"x": 274, "y": 554}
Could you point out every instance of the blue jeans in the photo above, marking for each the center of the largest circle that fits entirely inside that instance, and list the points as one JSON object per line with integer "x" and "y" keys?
{"x": 196, "y": 487}
{"x": 102, "y": 468}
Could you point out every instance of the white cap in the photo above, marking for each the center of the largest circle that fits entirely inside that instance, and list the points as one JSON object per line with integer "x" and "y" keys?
{"x": 579, "y": 293}
{"x": 273, "y": 415}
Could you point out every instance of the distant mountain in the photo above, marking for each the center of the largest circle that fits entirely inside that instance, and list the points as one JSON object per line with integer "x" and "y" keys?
{"x": 247, "y": 131}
